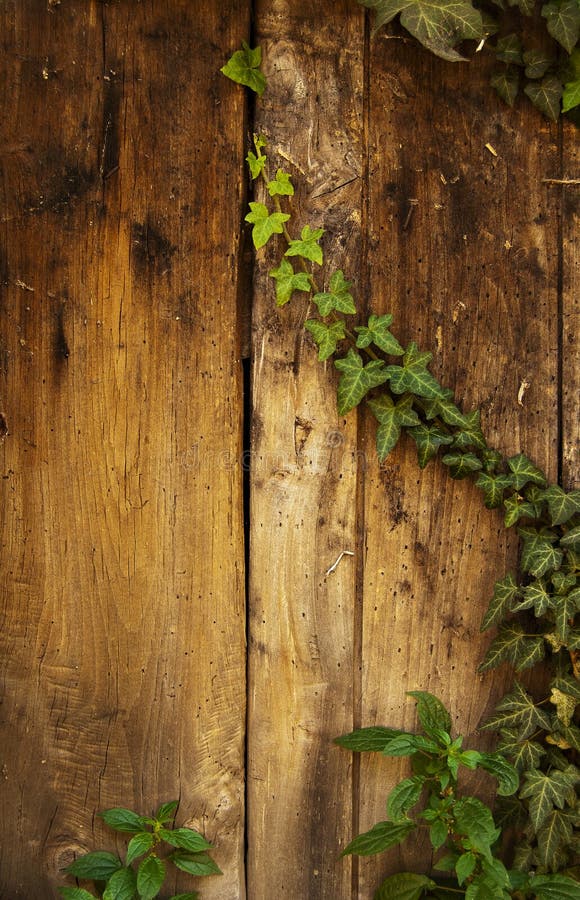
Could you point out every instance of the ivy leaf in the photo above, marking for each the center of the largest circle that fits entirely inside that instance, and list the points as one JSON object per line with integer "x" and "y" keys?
{"x": 326, "y": 336}
{"x": 513, "y": 645}
{"x": 433, "y": 715}
{"x": 537, "y": 63}
{"x": 461, "y": 464}
{"x": 404, "y": 886}
{"x": 97, "y": 866}
{"x": 563, "y": 582}
{"x": 428, "y": 439}
{"x": 565, "y": 609}
{"x": 565, "y": 705}
{"x": 391, "y": 416}
{"x": 190, "y": 895}
{"x": 374, "y": 739}
{"x": 571, "y": 538}
{"x": 544, "y": 791}
{"x": 338, "y": 297}
{"x": 404, "y": 796}
{"x": 524, "y": 754}
{"x": 571, "y": 95}
{"x": 256, "y": 164}
{"x": 526, "y": 7}
{"x": 555, "y": 887}
{"x": 509, "y": 50}
{"x": 517, "y": 508}
{"x": 194, "y": 863}
{"x": 281, "y": 186}
{"x": 377, "y": 333}
{"x": 563, "y": 22}
{"x": 505, "y": 593}
{"x": 244, "y": 68}
{"x": 546, "y": 95}
{"x": 561, "y": 504}
{"x": 288, "y": 281}
{"x": 265, "y": 223}
{"x": 307, "y": 246}
{"x": 518, "y": 711}
{"x": 507, "y": 84}
{"x": 439, "y": 25}
{"x": 357, "y": 380}
{"x": 493, "y": 487}
{"x": 539, "y": 556}
{"x": 381, "y": 836}
{"x": 535, "y": 595}
{"x": 524, "y": 471}
{"x": 471, "y": 434}
{"x": 412, "y": 377}
{"x": 150, "y": 877}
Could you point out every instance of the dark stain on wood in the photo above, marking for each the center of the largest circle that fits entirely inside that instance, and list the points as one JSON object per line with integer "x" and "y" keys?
{"x": 61, "y": 348}
{"x": 151, "y": 251}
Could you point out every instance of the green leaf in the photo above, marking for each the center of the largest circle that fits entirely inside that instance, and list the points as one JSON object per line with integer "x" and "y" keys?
{"x": 563, "y": 22}
{"x": 195, "y": 863}
{"x": 561, "y": 504}
{"x": 507, "y": 84}
{"x": 307, "y": 246}
{"x": 98, "y": 866}
{"x": 525, "y": 472}
{"x": 565, "y": 609}
{"x": 150, "y": 877}
{"x": 433, "y": 715}
{"x": 412, "y": 377}
{"x": 465, "y": 866}
{"x": 507, "y": 775}
{"x": 555, "y": 833}
{"x": 518, "y": 508}
{"x": 518, "y": 711}
{"x": 544, "y": 791}
{"x": 512, "y": 644}
{"x": 471, "y": 435}
{"x": 404, "y": 796}
{"x": 166, "y": 811}
{"x": 186, "y": 839}
{"x": 377, "y": 332}
{"x": 571, "y": 95}
{"x": 439, "y": 24}
{"x": 508, "y": 49}
{"x": 256, "y": 164}
{"x": 505, "y": 593}
{"x": 190, "y": 895}
{"x": 474, "y": 819}
{"x": 526, "y": 7}
{"x": 428, "y": 439}
{"x": 381, "y": 836}
{"x": 524, "y": 754}
{"x": 535, "y": 595}
{"x": 121, "y": 886}
{"x": 537, "y": 63}
{"x": 539, "y": 556}
{"x": 326, "y": 336}
{"x": 124, "y": 820}
{"x": 461, "y": 464}
{"x": 288, "y": 281}
{"x": 75, "y": 893}
{"x": 404, "y": 886}
{"x": 357, "y": 380}
{"x": 138, "y": 845}
{"x": 445, "y": 408}
{"x": 374, "y": 739}
{"x": 493, "y": 487}
{"x": 546, "y": 95}
{"x": 244, "y": 68}
{"x": 555, "y": 887}
{"x": 281, "y": 186}
{"x": 265, "y": 223}
{"x": 403, "y": 744}
{"x": 337, "y": 298}
{"x": 391, "y": 417}
{"x": 571, "y": 538}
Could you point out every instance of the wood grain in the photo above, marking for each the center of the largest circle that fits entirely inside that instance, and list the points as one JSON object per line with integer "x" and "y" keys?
{"x": 121, "y": 535}
{"x": 569, "y": 193}
{"x": 304, "y": 475}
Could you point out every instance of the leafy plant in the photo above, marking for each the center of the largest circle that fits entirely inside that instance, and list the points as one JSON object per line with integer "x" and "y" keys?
{"x": 461, "y": 828}
{"x": 535, "y": 611}
{"x": 144, "y": 870}
{"x": 549, "y": 74}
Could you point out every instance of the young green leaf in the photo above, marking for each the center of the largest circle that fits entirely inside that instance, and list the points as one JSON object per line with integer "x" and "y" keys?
{"x": 381, "y": 836}
{"x": 392, "y": 417}
{"x": 244, "y": 68}
{"x": 571, "y": 95}
{"x": 166, "y": 811}
{"x": 518, "y": 711}
{"x": 404, "y": 796}
{"x": 307, "y": 246}
{"x": 428, "y": 439}
{"x": 121, "y": 819}
{"x": 413, "y": 377}
{"x": 265, "y": 223}
{"x": 288, "y": 281}
{"x": 374, "y": 739}
{"x": 377, "y": 333}
{"x": 357, "y": 380}
{"x": 139, "y": 844}
{"x": 121, "y": 886}
{"x": 186, "y": 839}
{"x": 433, "y": 716}
{"x": 524, "y": 472}
{"x": 505, "y": 594}
{"x": 404, "y": 886}
{"x": 326, "y": 336}
{"x": 256, "y": 164}
{"x": 195, "y": 863}
{"x": 150, "y": 877}
{"x": 97, "y": 865}
{"x": 281, "y": 186}
{"x": 75, "y": 893}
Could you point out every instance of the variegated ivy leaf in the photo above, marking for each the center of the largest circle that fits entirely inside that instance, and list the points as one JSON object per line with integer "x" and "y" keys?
{"x": 567, "y": 737}
{"x": 571, "y": 538}
{"x": 307, "y": 246}
{"x": 428, "y": 439}
{"x": 514, "y": 645}
{"x": 553, "y": 837}
{"x": 545, "y": 791}
{"x": 265, "y": 223}
{"x": 563, "y": 582}
{"x": 537, "y": 63}
{"x": 470, "y": 434}
{"x": 536, "y": 596}
{"x": 508, "y": 49}
{"x": 391, "y": 417}
{"x": 563, "y": 22}
{"x": 377, "y": 333}
{"x": 539, "y": 556}
{"x": 493, "y": 487}
{"x": 326, "y": 336}
{"x": 524, "y": 754}
{"x": 338, "y": 297}
{"x": 413, "y": 377}
{"x": 546, "y": 95}
{"x": 461, "y": 464}
{"x": 505, "y": 595}
{"x": 517, "y": 508}
{"x": 565, "y": 705}
{"x": 524, "y": 471}
{"x": 507, "y": 84}
{"x": 565, "y": 608}
{"x": 568, "y": 685}
{"x": 561, "y": 504}
{"x": 281, "y": 186}
{"x": 357, "y": 379}
{"x": 288, "y": 281}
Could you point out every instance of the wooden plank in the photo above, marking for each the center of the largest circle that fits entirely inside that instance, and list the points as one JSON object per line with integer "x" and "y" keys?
{"x": 570, "y": 347}
{"x": 121, "y": 541}
{"x": 463, "y": 251}
{"x": 304, "y": 475}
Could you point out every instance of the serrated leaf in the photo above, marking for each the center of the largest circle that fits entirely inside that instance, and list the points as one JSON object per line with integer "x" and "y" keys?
{"x": 539, "y": 556}
{"x": 518, "y": 711}
{"x": 571, "y": 538}
{"x": 243, "y": 67}
{"x": 75, "y": 893}
{"x": 338, "y": 297}
{"x": 562, "y": 505}
{"x": 536, "y": 596}
{"x": 377, "y": 332}
{"x": 97, "y": 865}
{"x": 546, "y": 95}
{"x": 428, "y": 439}
{"x": 404, "y": 796}
{"x": 461, "y": 465}
{"x": 564, "y": 611}
{"x": 524, "y": 471}
{"x": 265, "y": 224}
{"x": 507, "y": 776}
{"x": 357, "y": 380}
{"x": 380, "y": 837}
{"x": 150, "y": 877}
{"x": 571, "y": 95}
{"x": 474, "y": 819}
{"x": 563, "y": 22}
{"x": 509, "y": 50}
{"x": 413, "y": 377}
{"x": 555, "y": 887}
{"x": 194, "y": 863}
{"x": 307, "y": 246}
{"x": 465, "y": 866}
{"x": 373, "y": 739}
{"x": 505, "y": 594}
{"x": 166, "y": 811}
{"x": 404, "y": 886}
{"x": 326, "y": 336}
{"x": 121, "y": 886}
{"x": 507, "y": 84}
{"x": 524, "y": 754}
{"x": 281, "y": 185}
{"x": 433, "y": 715}
{"x": 512, "y": 644}
{"x": 139, "y": 844}
{"x": 537, "y": 63}
{"x": 404, "y": 744}
{"x": 186, "y": 839}
{"x": 544, "y": 791}
{"x": 288, "y": 281}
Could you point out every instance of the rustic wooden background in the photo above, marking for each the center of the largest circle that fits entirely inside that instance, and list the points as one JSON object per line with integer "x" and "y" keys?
{"x": 142, "y": 659}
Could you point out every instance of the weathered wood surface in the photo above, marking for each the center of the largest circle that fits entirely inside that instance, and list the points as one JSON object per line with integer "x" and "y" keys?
{"x": 121, "y": 541}
{"x": 569, "y": 197}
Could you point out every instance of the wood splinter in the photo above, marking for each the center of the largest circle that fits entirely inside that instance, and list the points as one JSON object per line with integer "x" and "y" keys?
{"x": 335, "y": 564}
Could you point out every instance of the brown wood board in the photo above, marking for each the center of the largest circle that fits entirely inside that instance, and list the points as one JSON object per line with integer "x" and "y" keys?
{"x": 121, "y": 536}
{"x": 569, "y": 194}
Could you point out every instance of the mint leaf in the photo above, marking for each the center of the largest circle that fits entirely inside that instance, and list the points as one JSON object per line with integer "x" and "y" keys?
{"x": 75, "y": 893}
{"x": 404, "y": 886}
{"x": 281, "y": 186}
{"x": 381, "y": 836}
{"x": 166, "y": 811}
{"x": 377, "y": 333}
{"x": 186, "y": 839}
{"x": 98, "y": 865}
{"x": 288, "y": 281}
{"x": 337, "y": 298}
{"x": 357, "y": 380}
{"x": 121, "y": 819}
{"x": 507, "y": 777}
{"x": 150, "y": 877}
{"x": 563, "y": 22}
{"x": 374, "y": 739}
{"x": 307, "y": 246}
{"x": 433, "y": 716}
{"x": 474, "y": 819}
{"x": 404, "y": 796}
{"x": 265, "y": 223}
{"x": 121, "y": 886}
{"x": 326, "y": 336}
{"x": 194, "y": 863}
{"x": 138, "y": 845}
{"x": 243, "y": 67}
